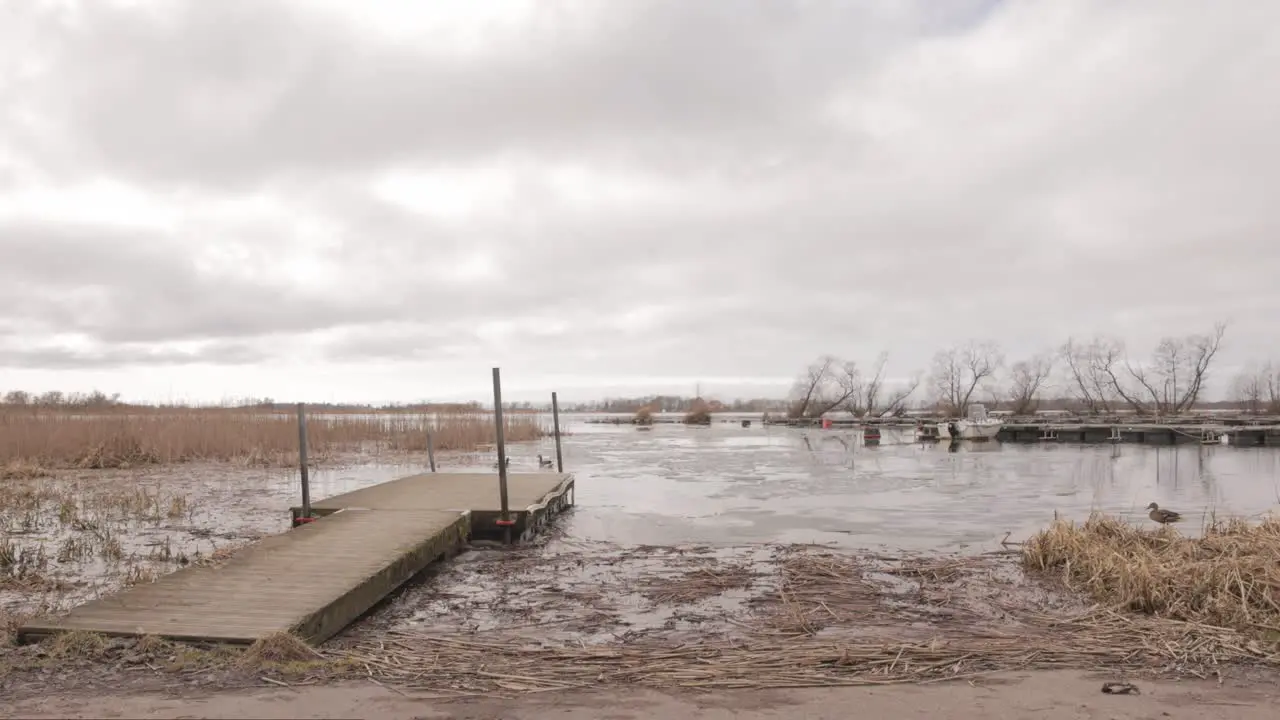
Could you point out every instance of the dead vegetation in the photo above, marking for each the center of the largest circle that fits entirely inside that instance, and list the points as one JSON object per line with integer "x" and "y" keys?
{"x": 34, "y": 440}
{"x": 819, "y": 618}
{"x": 278, "y": 649}
{"x": 1227, "y": 578}
{"x": 66, "y": 539}
{"x": 809, "y": 616}
{"x": 706, "y": 580}
{"x": 699, "y": 413}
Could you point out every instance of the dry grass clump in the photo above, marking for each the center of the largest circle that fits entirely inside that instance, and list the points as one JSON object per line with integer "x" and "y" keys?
{"x": 644, "y": 416}
{"x": 33, "y": 441}
{"x": 277, "y": 649}
{"x": 77, "y": 644}
{"x": 699, "y": 413}
{"x": 1230, "y": 577}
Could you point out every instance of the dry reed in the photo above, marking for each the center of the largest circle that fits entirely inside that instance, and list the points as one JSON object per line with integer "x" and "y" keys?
{"x": 697, "y": 584}
{"x": 828, "y": 622}
{"x": 34, "y": 440}
{"x": 699, "y": 413}
{"x": 1229, "y": 577}
{"x": 278, "y": 649}
{"x": 872, "y": 637}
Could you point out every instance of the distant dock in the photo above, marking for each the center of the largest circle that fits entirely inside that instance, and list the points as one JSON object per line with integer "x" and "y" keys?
{"x": 318, "y": 578}
{"x": 1142, "y": 433}
{"x": 1242, "y": 432}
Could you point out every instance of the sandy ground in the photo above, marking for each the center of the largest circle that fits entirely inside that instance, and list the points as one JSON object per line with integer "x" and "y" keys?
{"x": 1042, "y": 695}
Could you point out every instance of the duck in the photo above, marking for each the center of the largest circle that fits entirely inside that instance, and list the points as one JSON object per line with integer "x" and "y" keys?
{"x": 1162, "y": 516}
{"x": 544, "y": 463}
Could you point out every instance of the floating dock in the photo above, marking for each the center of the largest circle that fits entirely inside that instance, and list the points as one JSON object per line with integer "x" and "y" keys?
{"x": 1237, "y": 432}
{"x": 532, "y": 498}
{"x": 1142, "y": 433}
{"x": 318, "y": 578}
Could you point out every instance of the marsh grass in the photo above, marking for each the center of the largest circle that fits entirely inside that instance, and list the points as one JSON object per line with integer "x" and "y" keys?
{"x": 36, "y": 507}
{"x": 33, "y": 442}
{"x": 1229, "y": 577}
{"x": 67, "y": 537}
{"x": 699, "y": 413}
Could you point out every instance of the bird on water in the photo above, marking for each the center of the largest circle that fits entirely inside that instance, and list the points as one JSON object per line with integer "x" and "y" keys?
{"x": 544, "y": 463}
{"x": 1162, "y": 516}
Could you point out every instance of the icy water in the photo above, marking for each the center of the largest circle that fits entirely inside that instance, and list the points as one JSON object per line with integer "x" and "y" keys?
{"x": 725, "y": 484}
{"x": 722, "y": 485}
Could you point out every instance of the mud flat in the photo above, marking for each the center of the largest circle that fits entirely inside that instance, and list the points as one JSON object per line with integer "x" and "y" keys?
{"x": 565, "y": 616}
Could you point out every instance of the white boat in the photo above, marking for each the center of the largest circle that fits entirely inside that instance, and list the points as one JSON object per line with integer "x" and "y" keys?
{"x": 978, "y": 427}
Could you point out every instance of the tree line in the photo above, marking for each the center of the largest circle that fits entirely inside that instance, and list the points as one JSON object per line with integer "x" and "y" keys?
{"x": 1094, "y": 376}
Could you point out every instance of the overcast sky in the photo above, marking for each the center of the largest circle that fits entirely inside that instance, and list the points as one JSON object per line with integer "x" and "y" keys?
{"x": 328, "y": 200}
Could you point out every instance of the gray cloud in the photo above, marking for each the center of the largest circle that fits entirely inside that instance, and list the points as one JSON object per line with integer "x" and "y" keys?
{"x": 126, "y": 287}
{"x": 241, "y": 90}
{"x": 774, "y": 180}
{"x": 61, "y": 358}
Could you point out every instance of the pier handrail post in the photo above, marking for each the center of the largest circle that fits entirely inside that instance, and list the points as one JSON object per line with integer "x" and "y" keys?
{"x": 555, "y": 421}
{"x": 302, "y": 460}
{"x": 431, "y": 447}
{"x": 502, "y": 455}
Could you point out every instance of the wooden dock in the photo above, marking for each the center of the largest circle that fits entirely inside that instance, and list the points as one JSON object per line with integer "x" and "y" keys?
{"x": 1169, "y": 431}
{"x": 531, "y": 499}
{"x": 1148, "y": 433}
{"x": 319, "y": 577}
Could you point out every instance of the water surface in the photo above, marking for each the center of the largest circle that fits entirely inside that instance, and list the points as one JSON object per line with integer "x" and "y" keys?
{"x": 726, "y": 484}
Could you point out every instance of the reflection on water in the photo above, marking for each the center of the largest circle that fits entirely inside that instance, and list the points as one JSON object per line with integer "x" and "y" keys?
{"x": 731, "y": 484}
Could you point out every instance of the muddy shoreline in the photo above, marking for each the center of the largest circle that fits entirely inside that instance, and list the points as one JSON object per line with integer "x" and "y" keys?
{"x": 564, "y": 615}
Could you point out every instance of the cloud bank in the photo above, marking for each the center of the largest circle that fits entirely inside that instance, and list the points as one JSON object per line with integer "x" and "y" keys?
{"x": 276, "y": 198}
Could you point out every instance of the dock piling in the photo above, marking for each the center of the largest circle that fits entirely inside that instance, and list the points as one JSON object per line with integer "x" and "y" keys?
{"x": 431, "y": 448}
{"x": 505, "y": 522}
{"x": 302, "y": 462}
{"x": 555, "y": 420}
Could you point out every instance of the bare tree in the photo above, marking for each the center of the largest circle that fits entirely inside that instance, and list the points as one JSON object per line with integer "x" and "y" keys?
{"x": 1270, "y": 374}
{"x": 1091, "y": 372}
{"x": 1250, "y": 389}
{"x": 873, "y": 399}
{"x": 1026, "y": 379}
{"x": 1176, "y": 374}
{"x": 825, "y": 385}
{"x": 957, "y": 372}
{"x": 52, "y": 398}
{"x": 1257, "y": 388}
{"x": 17, "y": 397}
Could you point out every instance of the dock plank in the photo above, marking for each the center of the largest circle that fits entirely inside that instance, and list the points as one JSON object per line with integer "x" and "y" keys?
{"x": 321, "y": 576}
{"x": 293, "y": 582}
{"x": 477, "y": 492}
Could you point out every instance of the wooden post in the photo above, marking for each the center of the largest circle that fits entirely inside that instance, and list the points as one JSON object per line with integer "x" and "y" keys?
{"x": 431, "y": 448}
{"x": 555, "y": 420}
{"x": 505, "y": 522}
{"x": 302, "y": 462}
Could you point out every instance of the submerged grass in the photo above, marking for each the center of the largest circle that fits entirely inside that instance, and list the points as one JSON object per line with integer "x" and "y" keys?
{"x": 1229, "y": 577}
{"x": 34, "y": 441}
